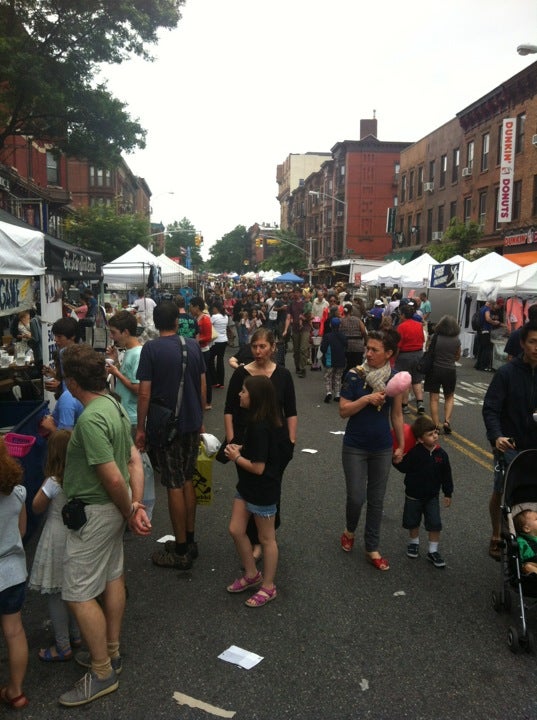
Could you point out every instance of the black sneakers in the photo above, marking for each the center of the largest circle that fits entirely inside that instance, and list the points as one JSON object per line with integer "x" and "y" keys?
{"x": 436, "y": 559}
{"x": 413, "y": 550}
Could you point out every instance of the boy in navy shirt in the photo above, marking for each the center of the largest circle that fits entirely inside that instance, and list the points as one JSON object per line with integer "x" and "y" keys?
{"x": 427, "y": 471}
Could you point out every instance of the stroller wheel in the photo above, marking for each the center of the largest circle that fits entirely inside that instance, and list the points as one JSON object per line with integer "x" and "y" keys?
{"x": 501, "y": 601}
{"x": 513, "y": 640}
{"x": 496, "y": 600}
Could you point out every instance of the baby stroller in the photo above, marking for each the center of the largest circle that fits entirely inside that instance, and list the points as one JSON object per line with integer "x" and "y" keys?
{"x": 519, "y": 493}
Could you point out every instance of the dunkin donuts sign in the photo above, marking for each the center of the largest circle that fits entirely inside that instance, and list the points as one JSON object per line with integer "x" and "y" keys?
{"x": 507, "y": 170}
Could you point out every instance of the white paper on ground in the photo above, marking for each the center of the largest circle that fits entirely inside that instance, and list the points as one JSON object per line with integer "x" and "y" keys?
{"x": 364, "y": 684}
{"x": 310, "y": 451}
{"x": 183, "y": 699}
{"x": 237, "y": 656}
{"x": 337, "y": 432}
{"x": 165, "y": 538}
{"x": 399, "y": 593}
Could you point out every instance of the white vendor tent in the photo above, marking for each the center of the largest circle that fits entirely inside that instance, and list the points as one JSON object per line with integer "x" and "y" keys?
{"x": 388, "y": 275}
{"x": 465, "y": 268}
{"x": 23, "y": 251}
{"x": 417, "y": 274}
{"x": 488, "y": 267}
{"x": 521, "y": 281}
{"x": 170, "y": 269}
{"x": 130, "y": 270}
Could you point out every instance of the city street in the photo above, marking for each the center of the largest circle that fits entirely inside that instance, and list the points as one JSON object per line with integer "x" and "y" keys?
{"x": 342, "y": 640}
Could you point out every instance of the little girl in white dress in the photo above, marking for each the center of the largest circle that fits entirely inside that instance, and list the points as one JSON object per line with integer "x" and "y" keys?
{"x": 47, "y": 569}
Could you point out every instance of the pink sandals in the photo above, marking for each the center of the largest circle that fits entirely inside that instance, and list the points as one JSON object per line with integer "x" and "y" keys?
{"x": 243, "y": 583}
{"x": 262, "y": 597}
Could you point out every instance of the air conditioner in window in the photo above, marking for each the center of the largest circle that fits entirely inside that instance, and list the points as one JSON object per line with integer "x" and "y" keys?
{"x": 428, "y": 186}
{"x": 437, "y": 235}
{"x": 534, "y": 140}
{"x": 466, "y": 172}
{"x": 340, "y": 213}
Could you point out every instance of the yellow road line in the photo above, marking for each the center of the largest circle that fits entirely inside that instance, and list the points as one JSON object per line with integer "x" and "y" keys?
{"x": 485, "y": 462}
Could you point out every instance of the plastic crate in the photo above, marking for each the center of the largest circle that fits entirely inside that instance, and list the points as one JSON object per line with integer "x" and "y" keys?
{"x": 19, "y": 445}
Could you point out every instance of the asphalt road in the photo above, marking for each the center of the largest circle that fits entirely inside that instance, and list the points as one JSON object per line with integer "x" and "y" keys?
{"x": 342, "y": 640}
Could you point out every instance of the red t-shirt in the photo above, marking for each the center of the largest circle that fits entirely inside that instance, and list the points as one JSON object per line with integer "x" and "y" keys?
{"x": 412, "y": 338}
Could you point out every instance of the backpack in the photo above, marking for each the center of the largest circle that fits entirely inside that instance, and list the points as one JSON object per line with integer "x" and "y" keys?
{"x": 476, "y": 320}
{"x": 396, "y": 316}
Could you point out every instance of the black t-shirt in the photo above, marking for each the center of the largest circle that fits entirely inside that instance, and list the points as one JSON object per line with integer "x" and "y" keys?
{"x": 262, "y": 443}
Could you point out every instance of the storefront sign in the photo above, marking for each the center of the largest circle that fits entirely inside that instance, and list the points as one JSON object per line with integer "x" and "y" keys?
{"x": 16, "y": 294}
{"x": 507, "y": 170}
{"x": 525, "y": 238}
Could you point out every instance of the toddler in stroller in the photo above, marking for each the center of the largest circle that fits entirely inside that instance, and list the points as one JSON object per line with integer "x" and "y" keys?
{"x": 519, "y": 552}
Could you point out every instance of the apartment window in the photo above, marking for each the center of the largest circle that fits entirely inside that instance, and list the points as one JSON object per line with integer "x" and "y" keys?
{"x": 53, "y": 171}
{"x": 431, "y": 171}
{"x": 499, "y": 145}
{"x": 100, "y": 202}
{"x": 443, "y": 170}
{"x": 395, "y": 201}
{"x": 452, "y": 209}
{"x": 534, "y": 211}
{"x": 485, "y": 146}
{"x": 409, "y": 226}
{"x": 100, "y": 177}
{"x": 429, "y": 225}
{"x": 517, "y": 200}
{"x": 342, "y": 170}
{"x": 456, "y": 161}
{"x": 396, "y": 171}
{"x": 482, "y": 207}
{"x": 467, "y": 210}
{"x": 520, "y": 128}
{"x": 441, "y": 218}
{"x": 470, "y": 147}
{"x": 403, "y": 189}
{"x": 418, "y": 225}
{"x": 411, "y": 185}
{"x": 420, "y": 181}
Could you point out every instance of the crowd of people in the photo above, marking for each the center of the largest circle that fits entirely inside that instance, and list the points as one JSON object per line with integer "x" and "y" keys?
{"x": 103, "y": 447}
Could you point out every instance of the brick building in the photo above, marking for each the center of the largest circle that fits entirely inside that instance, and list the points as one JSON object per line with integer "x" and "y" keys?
{"x": 454, "y": 172}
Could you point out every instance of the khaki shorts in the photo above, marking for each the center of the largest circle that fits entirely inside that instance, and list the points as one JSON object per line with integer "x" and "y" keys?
{"x": 94, "y": 554}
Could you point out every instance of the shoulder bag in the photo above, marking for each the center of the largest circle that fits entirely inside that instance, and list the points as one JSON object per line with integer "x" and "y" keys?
{"x": 161, "y": 422}
{"x": 425, "y": 363}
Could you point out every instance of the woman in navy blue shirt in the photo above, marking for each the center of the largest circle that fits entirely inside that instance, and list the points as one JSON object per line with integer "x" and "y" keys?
{"x": 368, "y": 446}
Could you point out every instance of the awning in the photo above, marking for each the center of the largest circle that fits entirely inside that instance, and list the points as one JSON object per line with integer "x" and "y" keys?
{"x": 523, "y": 258}
{"x": 403, "y": 256}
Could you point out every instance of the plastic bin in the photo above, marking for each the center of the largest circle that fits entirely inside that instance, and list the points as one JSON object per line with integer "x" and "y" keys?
{"x": 24, "y": 418}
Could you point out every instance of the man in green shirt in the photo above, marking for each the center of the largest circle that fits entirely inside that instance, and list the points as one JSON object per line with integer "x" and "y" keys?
{"x": 104, "y": 471}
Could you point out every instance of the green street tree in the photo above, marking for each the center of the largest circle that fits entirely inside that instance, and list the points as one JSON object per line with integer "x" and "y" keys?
{"x": 181, "y": 236}
{"x": 100, "y": 229}
{"x": 288, "y": 255}
{"x": 229, "y": 253}
{"x": 458, "y": 239}
{"x": 50, "y": 54}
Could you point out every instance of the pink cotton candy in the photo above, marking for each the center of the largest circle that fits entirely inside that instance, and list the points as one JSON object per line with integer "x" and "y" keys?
{"x": 400, "y": 382}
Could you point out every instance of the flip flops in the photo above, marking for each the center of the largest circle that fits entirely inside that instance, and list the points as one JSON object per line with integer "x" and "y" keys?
{"x": 54, "y": 654}
{"x": 16, "y": 703}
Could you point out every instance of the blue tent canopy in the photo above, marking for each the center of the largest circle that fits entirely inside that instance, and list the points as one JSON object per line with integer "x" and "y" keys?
{"x": 288, "y": 277}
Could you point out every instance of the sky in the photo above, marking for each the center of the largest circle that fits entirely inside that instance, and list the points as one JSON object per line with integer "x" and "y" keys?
{"x": 241, "y": 84}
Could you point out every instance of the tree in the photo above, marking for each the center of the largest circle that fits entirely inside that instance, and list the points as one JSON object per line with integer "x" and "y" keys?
{"x": 228, "y": 253}
{"x": 102, "y": 230}
{"x": 289, "y": 254}
{"x": 458, "y": 239}
{"x": 50, "y": 53}
{"x": 182, "y": 236}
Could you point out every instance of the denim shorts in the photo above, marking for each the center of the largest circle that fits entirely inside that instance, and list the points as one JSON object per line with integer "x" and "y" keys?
{"x": 12, "y": 599}
{"x": 265, "y": 511}
{"x": 414, "y": 510}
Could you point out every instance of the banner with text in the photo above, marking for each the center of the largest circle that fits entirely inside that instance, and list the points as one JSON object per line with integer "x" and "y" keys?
{"x": 444, "y": 276}
{"x": 16, "y": 294}
{"x": 507, "y": 170}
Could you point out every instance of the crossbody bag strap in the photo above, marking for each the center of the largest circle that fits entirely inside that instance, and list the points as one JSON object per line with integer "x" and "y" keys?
{"x": 182, "y": 383}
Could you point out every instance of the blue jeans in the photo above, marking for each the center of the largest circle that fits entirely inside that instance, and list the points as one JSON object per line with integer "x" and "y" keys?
{"x": 366, "y": 478}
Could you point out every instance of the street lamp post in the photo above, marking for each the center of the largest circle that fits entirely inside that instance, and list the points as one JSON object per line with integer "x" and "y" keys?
{"x": 526, "y": 49}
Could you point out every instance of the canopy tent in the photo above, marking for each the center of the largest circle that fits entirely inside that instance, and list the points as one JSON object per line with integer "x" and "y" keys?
{"x": 130, "y": 269}
{"x": 521, "y": 281}
{"x": 22, "y": 250}
{"x": 269, "y": 275}
{"x": 488, "y": 268}
{"x": 288, "y": 277}
{"x": 388, "y": 275}
{"x": 465, "y": 267}
{"x": 417, "y": 274}
{"x": 170, "y": 267}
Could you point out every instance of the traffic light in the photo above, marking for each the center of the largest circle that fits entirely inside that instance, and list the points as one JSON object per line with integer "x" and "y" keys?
{"x": 259, "y": 242}
{"x": 198, "y": 240}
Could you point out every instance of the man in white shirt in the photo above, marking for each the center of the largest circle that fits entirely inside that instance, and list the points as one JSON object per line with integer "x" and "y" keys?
{"x": 144, "y": 308}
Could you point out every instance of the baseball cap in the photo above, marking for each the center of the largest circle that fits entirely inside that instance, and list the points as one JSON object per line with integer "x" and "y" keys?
{"x": 379, "y": 302}
{"x": 335, "y": 322}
